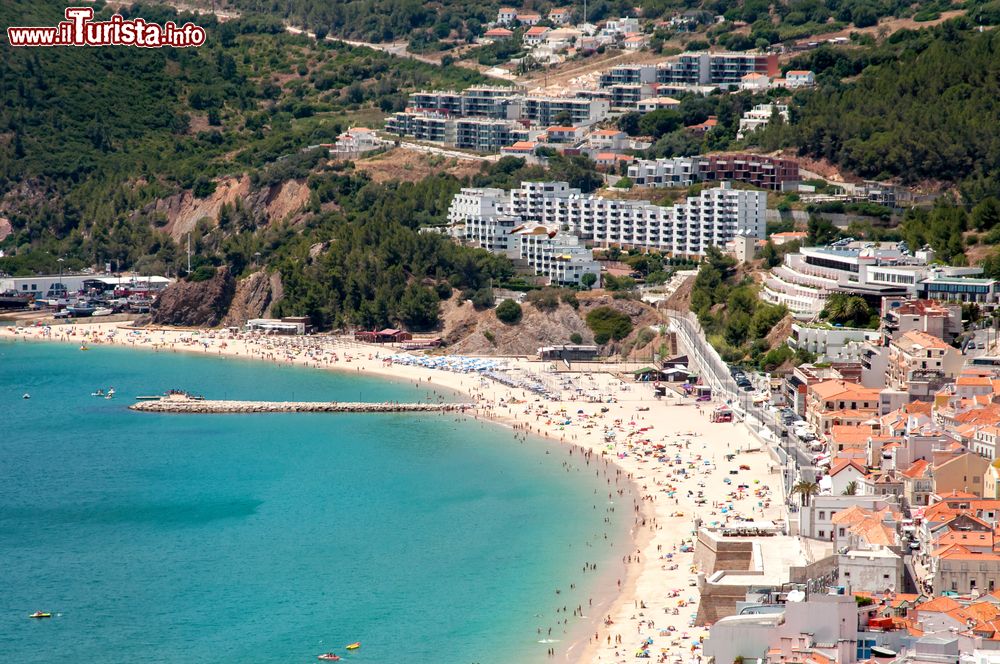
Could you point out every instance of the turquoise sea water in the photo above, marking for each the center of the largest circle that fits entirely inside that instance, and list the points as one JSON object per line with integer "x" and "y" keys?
{"x": 272, "y": 538}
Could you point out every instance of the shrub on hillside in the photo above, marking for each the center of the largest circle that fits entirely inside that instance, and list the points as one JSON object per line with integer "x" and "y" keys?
{"x": 607, "y": 323}
{"x": 509, "y": 312}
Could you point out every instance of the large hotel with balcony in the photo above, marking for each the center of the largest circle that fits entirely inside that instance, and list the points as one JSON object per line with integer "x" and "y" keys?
{"x": 712, "y": 218}
{"x": 806, "y": 279}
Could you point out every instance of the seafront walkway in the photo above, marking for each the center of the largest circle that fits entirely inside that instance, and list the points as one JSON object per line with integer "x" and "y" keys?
{"x": 206, "y": 406}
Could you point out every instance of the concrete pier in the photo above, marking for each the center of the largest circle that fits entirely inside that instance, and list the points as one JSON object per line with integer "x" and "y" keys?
{"x": 174, "y": 405}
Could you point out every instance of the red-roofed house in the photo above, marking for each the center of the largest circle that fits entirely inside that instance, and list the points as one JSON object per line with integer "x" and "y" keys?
{"x": 610, "y": 160}
{"x": 608, "y": 139}
{"x": 708, "y": 125}
{"x": 528, "y": 18}
{"x": 519, "y": 149}
{"x": 536, "y": 35}
{"x": 560, "y": 15}
{"x": 499, "y": 33}
{"x": 506, "y": 15}
{"x": 843, "y": 473}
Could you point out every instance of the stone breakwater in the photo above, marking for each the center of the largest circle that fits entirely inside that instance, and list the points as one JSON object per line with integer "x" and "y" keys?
{"x": 212, "y": 406}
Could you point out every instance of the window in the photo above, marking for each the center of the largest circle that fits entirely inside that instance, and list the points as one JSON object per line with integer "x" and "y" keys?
{"x": 841, "y": 532}
{"x": 885, "y": 576}
{"x": 822, "y": 534}
{"x": 822, "y": 514}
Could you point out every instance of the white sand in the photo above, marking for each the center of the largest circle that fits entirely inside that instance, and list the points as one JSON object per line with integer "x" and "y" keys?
{"x": 678, "y": 423}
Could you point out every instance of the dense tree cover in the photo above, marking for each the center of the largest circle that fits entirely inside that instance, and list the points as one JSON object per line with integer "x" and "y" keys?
{"x": 90, "y": 137}
{"x": 734, "y": 318}
{"x": 373, "y": 266}
{"x": 925, "y": 106}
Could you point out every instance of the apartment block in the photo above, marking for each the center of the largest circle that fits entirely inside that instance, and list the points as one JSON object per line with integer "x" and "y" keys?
{"x": 712, "y": 218}
{"x": 721, "y": 69}
{"x": 758, "y": 170}
{"x": 543, "y": 110}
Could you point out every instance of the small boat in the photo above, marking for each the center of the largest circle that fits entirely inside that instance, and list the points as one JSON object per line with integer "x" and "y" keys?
{"x": 98, "y": 393}
{"x": 84, "y": 347}
{"x": 110, "y": 394}
{"x": 26, "y": 396}
{"x": 354, "y": 646}
{"x": 103, "y": 311}
{"x": 40, "y": 614}
{"x": 328, "y": 657}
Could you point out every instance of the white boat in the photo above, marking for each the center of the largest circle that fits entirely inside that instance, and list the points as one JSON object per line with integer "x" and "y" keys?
{"x": 103, "y": 311}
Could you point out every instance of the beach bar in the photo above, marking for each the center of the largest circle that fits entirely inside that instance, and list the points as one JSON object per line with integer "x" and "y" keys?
{"x": 386, "y": 336}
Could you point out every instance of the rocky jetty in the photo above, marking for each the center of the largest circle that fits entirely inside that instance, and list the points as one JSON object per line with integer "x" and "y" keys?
{"x": 176, "y": 405}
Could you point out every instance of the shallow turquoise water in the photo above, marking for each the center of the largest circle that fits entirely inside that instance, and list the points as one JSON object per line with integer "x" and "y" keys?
{"x": 272, "y": 538}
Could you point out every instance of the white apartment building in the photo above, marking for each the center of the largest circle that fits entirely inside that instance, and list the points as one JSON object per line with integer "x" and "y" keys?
{"x": 554, "y": 254}
{"x": 759, "y": 116}
{"x": 471, "y": 133}
{"x": 713, "y": 218}
{"x": 477, "y": 218}
{"x": 668, "y": 172}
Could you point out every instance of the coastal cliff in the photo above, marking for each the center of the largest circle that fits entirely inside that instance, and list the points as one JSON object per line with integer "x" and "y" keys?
{"x": 196, "y": 303}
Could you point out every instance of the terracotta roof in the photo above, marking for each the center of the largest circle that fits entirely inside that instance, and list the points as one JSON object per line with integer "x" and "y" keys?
{"x": 900, "y": 598}
{"x": 972, "y": 381}
{"x": 844, "y": 390}
{"x": 918, "y": 469}
{"x": 965, "y": 538}
{"x": 850, "y": 516}
{"x": 536, "y": 31}
{"x": 606, "y": 132}
{"x": 790, "y": 234}
{"x": 499, "y": 32}
{"x": 561, "y": 128}
{"x": 917, "y": 340}
{"x": 844, "y": 464}
{"x": 523, "y": 145}
{"x": 958, "y": 552}
{"x": 798, "y": 71}
{"x": 846, "y": 433}
{"x": 939, "y": 605}
{"x": 605, "y": 156}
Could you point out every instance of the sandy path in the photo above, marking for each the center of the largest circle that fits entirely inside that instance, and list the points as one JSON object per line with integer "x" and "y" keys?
{"x": 655, "y": 575}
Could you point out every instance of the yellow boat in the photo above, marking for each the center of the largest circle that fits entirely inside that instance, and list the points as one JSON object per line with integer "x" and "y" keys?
{"x": 354, "y": 646}
{"x": 39, "y": 614}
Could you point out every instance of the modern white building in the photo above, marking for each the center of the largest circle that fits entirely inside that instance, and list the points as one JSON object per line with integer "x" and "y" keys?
{"x": 712, "y": 218}
{"x": 477, "y": 219}
{"x": 807, "y": 278}
{"x": 759, "y": 116}
{"x": 831, "y": 344}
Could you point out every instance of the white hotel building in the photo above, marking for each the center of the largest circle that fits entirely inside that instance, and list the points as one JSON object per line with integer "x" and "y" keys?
{"x": 806, "y": 279}
{"x": 713, "y": 218}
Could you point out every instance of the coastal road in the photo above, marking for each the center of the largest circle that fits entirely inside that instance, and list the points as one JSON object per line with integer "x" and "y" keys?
{"x": 716, "y": 374}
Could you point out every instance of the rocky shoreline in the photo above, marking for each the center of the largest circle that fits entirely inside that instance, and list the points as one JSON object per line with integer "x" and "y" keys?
{"x": 212, "y": 406}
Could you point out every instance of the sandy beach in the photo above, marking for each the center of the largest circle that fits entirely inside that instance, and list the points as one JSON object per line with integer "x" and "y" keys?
{"x": 664, "y": 460}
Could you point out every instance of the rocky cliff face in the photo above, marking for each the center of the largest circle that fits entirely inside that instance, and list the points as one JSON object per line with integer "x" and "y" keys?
{"x": 255, "y": 295}
{"x": 196, "y": 304}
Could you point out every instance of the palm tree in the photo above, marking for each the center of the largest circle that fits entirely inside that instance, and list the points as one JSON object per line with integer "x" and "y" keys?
{"x": 851, "y": 489}
{"x": 805, "y": 490}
